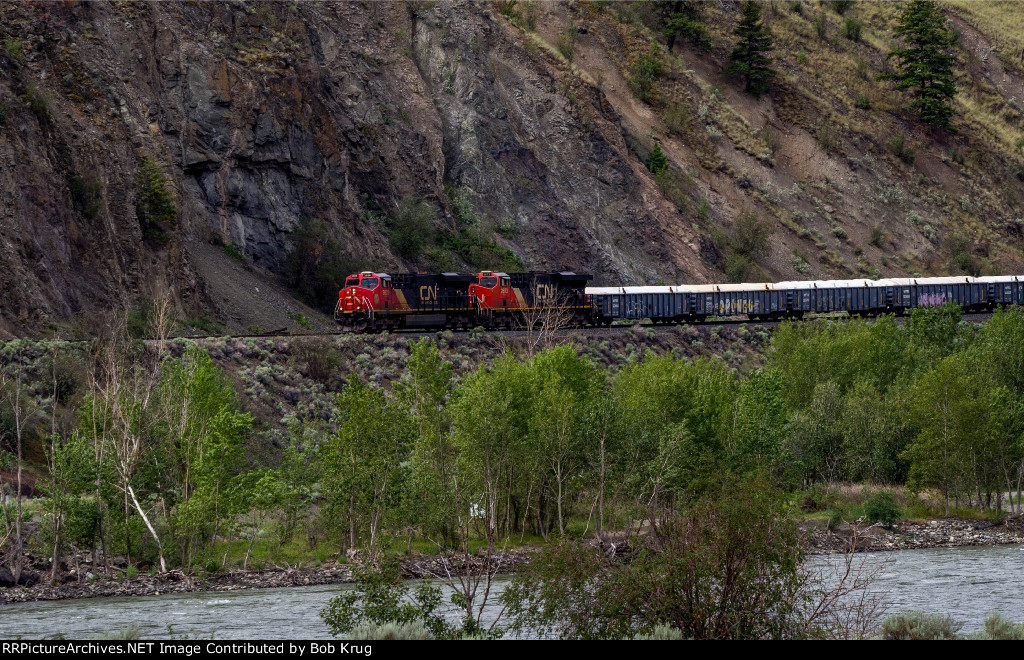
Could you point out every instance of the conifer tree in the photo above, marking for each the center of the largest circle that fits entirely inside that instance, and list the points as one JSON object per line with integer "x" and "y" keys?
{"x": 748, "y": 57}
{"x": 682, "y": 18}
{"x": 926, "y": 62}
{"x": 656, "y": 160}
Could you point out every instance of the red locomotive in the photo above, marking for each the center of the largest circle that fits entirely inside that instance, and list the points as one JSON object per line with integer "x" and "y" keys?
{"x": 373, "y": 302}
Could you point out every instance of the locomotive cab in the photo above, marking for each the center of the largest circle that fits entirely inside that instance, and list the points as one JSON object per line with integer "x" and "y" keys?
{"x": 493, "y": 291}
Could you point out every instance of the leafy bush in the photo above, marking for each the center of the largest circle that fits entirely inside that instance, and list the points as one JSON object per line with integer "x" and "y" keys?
{"x": 882, "y": 507}
{"x": 316, "y": 265}
{"x": 852, "y": 28}
{"x": 381, "y": 598}
{"x": 998, "y": 628}
{"x": 86, "y": 193}
{"x": 902, "y": 151}
{"x": 412, "y": 227}
{"x": 750, "y": 235}
{"x": 863, "y": 102}
{"x": 644, "y": 73}
{"x": 732, "y": 552}
{"x": 411, "y": 630}
{"x": 919, "y": 626}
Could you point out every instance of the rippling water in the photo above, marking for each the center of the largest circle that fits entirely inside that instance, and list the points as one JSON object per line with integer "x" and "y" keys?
{"x": 967, "y": 583}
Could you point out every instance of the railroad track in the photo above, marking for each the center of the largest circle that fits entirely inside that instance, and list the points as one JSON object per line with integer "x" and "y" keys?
{"x": 588, "y": 331}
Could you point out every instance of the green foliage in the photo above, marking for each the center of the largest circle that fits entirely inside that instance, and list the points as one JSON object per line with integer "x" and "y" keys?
{"x": 656, "y": 160}
{"x": 413, "y": 630}
{"x": 1018, "y": 144}
{"x": 728, "y": 554}
{"x": 87, "y": 194}
{"x": 902, "y": 151}
{"x": 999, "y": 629}
{"x": 567, "y": 42}
{"x": 881, "y": 507}
{"x": 155, "y": 206}
{"x": 412, "y": 227}
{"x": 852, "y": 28}
{"x": 316, "y": 264}
{"x": 683, "y": 20}
{"x": 919, "y": 626}
{"x": 748, "y": 57}
{"x": 381, "y": 598}
{"x": 15, "y": 49}
{"x": 645, "y": 70}
{"x": 925, "y": 63}
{"x": 36, "y": 101}
{"x": 840, "y": 6}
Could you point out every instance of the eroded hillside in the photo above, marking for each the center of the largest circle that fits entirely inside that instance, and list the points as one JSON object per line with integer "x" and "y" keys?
{"x": 461, "y": 135}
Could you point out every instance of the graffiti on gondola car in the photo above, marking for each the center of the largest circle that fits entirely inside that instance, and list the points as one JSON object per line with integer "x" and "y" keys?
{"x": 932, "y": 300}
{"x": 728, "y": 306}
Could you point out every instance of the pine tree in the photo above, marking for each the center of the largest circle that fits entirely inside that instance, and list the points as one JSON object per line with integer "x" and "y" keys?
{"x": 682, "y": 18}
{"x": 656, "y": 160}
{"x": 748, "y": 58}
{"x": 926, "y": 63}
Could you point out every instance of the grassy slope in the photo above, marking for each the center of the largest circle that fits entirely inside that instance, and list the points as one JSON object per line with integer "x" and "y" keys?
{"x": 845, "y": 202}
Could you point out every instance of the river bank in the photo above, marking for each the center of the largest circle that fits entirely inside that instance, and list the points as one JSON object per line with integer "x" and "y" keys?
{"x": 862, "y": 537}
{"x": 176, "y": 582}
{"x": 912, "y": 535}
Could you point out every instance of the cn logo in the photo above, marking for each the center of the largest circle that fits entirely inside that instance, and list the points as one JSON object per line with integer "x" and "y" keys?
{"x": 428, "y": 293}
{"x": 545, "y": 292}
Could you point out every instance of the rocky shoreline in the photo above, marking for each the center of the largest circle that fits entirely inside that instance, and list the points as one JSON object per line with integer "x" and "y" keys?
{"x": 913, "y": 535}
{"x": 861, "y": 537}
{"x": 420, "y": 566}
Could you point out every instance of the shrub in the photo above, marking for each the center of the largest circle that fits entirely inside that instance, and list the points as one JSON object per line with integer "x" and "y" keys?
{"x": 852, "y": 28}
{"x": 1019, "y": 143}
{"x": 750, "y": 235}
{"x": 863, "y": 102}
{"x": 998, "y": 628}
{"x": 902, "y": 151}
{"x": 704, "y": 209}
{"x": 881, "y": 507}
{"x": 36, "y": 102}
{"x": 316, "y": 265}
{"x": 86, "y": 194}
{"x": 644, "y": 73}
{"x": 801, "y": 56}
{"x": 567, "y": 42}
{"x": 797, "y": 7}
{"x": 662, "y": 632}
{"x": 820, "y": 25}
{"x": 839, "y": 232}
{"x": 154, "y": 203}
{"x": 15, "y": 49}
{"x": 412, "y": 227}
{"x": 391, "y": 630}
{"x": 919, "y": 626}
{"x": 840, "y": 6}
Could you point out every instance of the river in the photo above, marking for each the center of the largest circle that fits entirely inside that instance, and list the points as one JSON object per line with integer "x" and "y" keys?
{"x": 967, "y": 583}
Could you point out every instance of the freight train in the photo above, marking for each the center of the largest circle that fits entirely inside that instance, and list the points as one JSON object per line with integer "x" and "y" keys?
{"x": 377, "y": 301}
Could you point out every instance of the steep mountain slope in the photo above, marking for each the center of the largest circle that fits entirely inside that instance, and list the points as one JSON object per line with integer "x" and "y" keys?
{"x": 517, "y": 124}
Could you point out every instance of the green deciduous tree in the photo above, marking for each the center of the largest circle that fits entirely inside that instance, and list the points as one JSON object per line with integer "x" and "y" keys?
{"x": 748, "y": 57}
{"x": 363, "y": 460}
{"x": 925, "y": 62}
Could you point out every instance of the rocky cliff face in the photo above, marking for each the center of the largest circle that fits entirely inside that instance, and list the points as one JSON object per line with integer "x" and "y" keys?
{"x": 261, "y": 115}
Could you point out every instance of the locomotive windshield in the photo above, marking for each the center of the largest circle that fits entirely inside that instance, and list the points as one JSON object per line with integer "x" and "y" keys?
{"x": 488, "y": 282}
{"x": 352, "y": 281}
{"x": 369, "y": 282}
